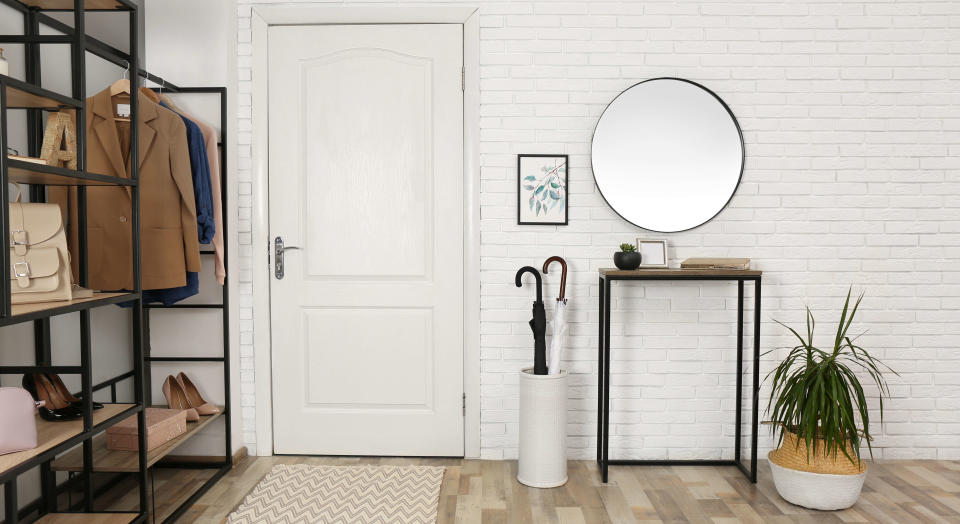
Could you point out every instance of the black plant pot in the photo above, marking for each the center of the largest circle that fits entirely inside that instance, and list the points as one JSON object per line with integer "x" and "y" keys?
{"x": 626, "y": 261}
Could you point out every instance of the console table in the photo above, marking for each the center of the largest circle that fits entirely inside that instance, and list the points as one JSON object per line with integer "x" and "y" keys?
{"x": 603, "y": 402}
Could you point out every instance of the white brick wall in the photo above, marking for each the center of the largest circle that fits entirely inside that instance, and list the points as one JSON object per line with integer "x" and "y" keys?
{"x": 851, "y": 122}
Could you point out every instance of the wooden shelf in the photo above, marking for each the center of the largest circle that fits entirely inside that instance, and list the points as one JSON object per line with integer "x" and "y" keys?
{"x": 21, "y": 95}
{"x": 87, "y": 518}
{"x": 107, "y": 460}
{"x": 67, "y": 5}
{"x": 52, "y": 434}
{"x": 25, "y": 312}
{"x": 172, "y": 487}
{"x": 32, "y": 173}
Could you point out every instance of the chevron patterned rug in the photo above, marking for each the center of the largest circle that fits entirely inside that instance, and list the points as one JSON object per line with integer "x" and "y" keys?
{"x": 301, "y": 493}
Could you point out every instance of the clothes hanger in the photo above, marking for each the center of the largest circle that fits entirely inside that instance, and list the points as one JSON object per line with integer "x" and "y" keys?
{"x": 121, "y": 86}
{"x": 166, "y": 98}
{"x": 147, "y": 92}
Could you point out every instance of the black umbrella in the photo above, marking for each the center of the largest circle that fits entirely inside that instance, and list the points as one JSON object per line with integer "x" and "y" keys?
{"x": 538, "y": 323}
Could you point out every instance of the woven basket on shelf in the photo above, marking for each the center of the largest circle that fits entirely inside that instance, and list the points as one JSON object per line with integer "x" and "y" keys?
{"x": 792, "y": 454}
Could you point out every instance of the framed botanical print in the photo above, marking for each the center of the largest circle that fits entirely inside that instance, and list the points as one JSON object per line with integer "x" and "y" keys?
{"x": 542, "y": 189}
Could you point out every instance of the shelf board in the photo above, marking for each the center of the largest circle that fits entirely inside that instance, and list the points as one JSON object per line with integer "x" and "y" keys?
{"x": 32, "y": 173}
{"x": 171, "y": 488}
{"x": 107, "y": 460}
{"x": 67, "y": 5}
{"x": 87, "y": 518}
{"x": 26, "y": 312}
{"x": 52, "y": 434}
{"x": 21, "y": 95}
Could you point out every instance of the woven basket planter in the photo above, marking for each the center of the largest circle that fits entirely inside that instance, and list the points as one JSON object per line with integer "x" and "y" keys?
{"x": 825, "y": 482}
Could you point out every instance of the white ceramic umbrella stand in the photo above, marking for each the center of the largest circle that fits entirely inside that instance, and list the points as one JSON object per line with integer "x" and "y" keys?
{"x": 543, "y": 408}
{"x": 543, "y": 430}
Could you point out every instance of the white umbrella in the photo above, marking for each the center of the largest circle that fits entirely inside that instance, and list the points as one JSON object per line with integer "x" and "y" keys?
{"x": 559, "y": 335}
{"x": 559, "y": 324}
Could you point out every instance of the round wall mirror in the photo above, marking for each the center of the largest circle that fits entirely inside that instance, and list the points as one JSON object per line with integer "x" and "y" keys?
{"x": 667, "y": 154}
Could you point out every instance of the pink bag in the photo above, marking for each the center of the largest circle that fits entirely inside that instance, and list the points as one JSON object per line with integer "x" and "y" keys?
{"x": 18, "y": 432}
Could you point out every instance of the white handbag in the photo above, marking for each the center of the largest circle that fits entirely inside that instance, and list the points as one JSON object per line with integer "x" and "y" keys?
{"x": 39, "y": 260}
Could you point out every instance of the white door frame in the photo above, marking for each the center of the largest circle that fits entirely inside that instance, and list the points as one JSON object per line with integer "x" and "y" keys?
{"x": 264, "y": 16}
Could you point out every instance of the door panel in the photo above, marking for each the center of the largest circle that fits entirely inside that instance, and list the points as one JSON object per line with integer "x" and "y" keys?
{"x": 366, "y": 178}
{"x": 402, "y": 135}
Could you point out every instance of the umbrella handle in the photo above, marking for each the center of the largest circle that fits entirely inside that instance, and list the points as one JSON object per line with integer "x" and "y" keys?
{"x": 563, "y": 274}
{"x": 536, "y": 275}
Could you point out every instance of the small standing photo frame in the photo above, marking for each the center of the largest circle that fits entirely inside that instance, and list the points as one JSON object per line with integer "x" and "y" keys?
{"x": 542, "y": 189}
{"x": 653, "y": 253}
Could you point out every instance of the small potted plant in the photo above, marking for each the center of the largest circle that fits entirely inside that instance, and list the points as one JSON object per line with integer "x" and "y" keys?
{"x": 627, "y": 258}
{"x": 819, "y": 412}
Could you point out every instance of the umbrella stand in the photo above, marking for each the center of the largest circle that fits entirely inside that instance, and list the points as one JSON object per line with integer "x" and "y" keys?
{"x": 559, "y": 324}
{"x": 538, "y": 324}
{"x": 543, "y": 408}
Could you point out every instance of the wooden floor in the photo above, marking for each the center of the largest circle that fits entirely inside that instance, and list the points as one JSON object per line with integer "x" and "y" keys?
{"x": 487, "y": 491}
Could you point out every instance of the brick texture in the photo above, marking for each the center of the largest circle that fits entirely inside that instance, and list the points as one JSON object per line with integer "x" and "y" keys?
{"x": 850, "y": 117}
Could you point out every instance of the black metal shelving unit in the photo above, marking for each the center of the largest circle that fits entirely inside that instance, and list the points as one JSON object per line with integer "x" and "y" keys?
{"x": 35, "y": 100}
{"x": 57, "y": 438}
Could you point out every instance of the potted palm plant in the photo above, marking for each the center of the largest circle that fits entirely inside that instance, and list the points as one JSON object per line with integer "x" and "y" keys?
{"x": 820, "y": 416}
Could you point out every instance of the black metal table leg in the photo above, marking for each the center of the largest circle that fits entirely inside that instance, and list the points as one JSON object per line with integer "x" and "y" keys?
{"x": 739, "y": 415}
{"x": 605, "y": 465}
{"x": 10, "y": 505}
{"x": 600, "y": 379}
{"x": 756, "y": 380}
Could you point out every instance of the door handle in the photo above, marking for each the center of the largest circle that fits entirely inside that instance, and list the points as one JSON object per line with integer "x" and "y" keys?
{"x": 278, "y": 250}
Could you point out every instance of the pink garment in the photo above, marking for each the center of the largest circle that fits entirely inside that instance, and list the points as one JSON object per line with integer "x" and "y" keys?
{"x": 213, "y": 157}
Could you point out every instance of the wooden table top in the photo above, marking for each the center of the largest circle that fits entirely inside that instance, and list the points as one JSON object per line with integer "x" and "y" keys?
{"x": 678, "y": 273}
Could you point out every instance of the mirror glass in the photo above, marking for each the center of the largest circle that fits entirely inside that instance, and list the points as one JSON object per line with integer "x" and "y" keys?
{"x": 667, "y": 154}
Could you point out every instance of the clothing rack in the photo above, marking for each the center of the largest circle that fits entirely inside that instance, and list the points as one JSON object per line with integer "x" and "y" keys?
{"x": 222, "y": 466}
{"x": 58, "y": 457}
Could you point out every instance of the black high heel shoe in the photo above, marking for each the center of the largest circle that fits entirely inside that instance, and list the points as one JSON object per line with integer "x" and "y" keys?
{"x": 65, "y": 393}
{"x": 56, "y": 408}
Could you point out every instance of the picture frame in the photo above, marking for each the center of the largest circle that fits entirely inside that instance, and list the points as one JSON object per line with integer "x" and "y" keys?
{"x": 653, "y": 253}
{"x": 542, "y": 182}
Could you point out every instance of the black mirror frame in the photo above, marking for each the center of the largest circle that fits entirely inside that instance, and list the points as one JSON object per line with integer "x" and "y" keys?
{"x": 743, "y": 151}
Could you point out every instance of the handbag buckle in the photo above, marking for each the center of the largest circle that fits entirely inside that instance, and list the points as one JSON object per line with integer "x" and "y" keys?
{"x": 25, "y": 272}
{"x": 18, "y": 237}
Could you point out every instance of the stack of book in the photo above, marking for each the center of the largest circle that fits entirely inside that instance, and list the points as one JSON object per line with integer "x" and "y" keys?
{"x": 716, "y": 263}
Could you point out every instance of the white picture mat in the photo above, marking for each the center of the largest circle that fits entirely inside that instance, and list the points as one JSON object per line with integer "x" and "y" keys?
{"x": 653, "y": 253}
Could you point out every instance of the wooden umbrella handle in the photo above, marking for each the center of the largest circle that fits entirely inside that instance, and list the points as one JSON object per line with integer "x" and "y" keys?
{"x": 563, "y": 273}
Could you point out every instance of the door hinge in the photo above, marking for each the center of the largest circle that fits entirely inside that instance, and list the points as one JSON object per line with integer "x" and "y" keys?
{"x": 464, "y": 404}
{"x": 463, "y": 79}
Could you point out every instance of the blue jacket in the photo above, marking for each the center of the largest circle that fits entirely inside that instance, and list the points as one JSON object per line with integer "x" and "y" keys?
{"x": 200, "y": 167}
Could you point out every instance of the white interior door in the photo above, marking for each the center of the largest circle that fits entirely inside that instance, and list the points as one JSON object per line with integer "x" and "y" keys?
{"x": 366, "y": 178}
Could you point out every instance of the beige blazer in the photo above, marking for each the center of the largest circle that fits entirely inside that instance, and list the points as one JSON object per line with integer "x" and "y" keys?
{"x": 168, "y": 213}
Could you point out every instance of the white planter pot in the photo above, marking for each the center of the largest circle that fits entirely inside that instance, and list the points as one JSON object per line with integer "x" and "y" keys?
{"x": 543, "y": 429}
{"x": 817, "y": 490}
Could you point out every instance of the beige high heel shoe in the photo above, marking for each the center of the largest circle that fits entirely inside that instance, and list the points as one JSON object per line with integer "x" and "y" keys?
{"x": 177, "y": 399}
{"x": 194, "y": 398}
